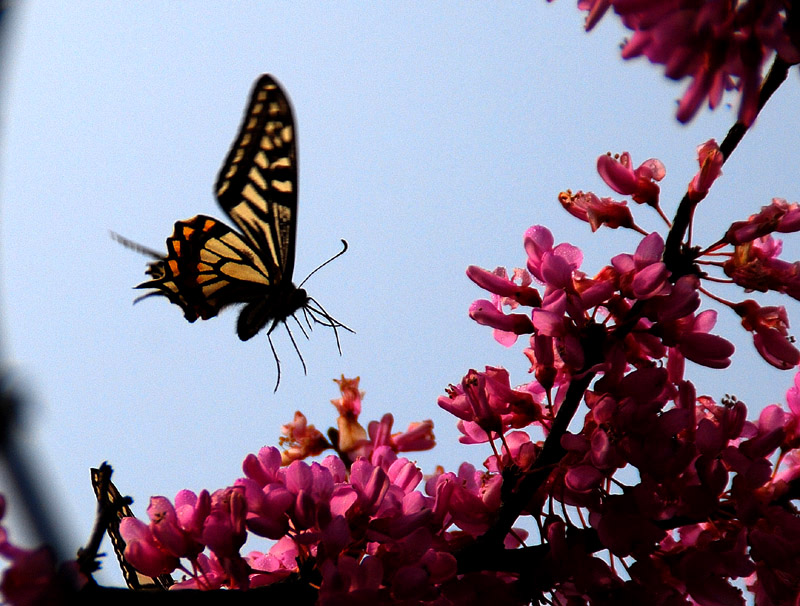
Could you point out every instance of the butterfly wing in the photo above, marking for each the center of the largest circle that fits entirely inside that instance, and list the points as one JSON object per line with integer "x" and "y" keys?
{"x": 208, "y": 266}
{"x": 110, "y": 499}
{"x": 257, "y": 184}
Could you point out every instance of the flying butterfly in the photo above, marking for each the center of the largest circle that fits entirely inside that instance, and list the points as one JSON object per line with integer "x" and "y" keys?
{"x": 210, "y": 266}
{"x": 114, "y": 507}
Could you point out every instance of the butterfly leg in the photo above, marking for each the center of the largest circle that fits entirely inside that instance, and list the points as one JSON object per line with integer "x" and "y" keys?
{"x": 300, "y": 324}
{"x": 330, "y": 320}
{"x": 299, "y": 355}
{"x": 277, "y": 361}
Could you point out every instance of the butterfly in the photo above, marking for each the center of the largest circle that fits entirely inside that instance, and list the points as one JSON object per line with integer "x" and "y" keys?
{"x": 210, "y": 266}
{"x": 114, "y": 507}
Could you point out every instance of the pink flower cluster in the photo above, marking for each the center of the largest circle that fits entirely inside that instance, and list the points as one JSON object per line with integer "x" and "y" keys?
{"x": 366, "y": 529}
{"x": 710, "y": 501}
{"x": 355, "y": 525}
{"x": 719, "y": 44}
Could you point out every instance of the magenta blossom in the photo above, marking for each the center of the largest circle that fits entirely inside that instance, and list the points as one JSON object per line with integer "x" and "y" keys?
{"x": 639, "y": 183}
{"x": 769, "y": 326}
{"x": 596, "y": 211}
{"x": 143, "y": 551}
{"x": 487, "y": 405}
{"x": 718, "y": 45}
{"x": 710, "y": 159}
{"x": 779, "y": 216}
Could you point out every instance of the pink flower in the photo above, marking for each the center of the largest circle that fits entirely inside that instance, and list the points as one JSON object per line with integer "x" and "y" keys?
{"x": 418, "y": 436}
{"x": 33, "y": 576}
{"x": 301, "y": 440}
{"x": 769, "y": 326}
{"x": 755, "y": 266}
{"x": 370, "y": 483}
{"x": 208, "y": 574}
{"x": 596, "y": 211}
{"x": 276, "y": 565}
{"x": 710, "y": 158}
{"x": 264, "y": 468}
{"x": 167, "y": 530}
{"x": 506, "y": 326}
{"x": 793, "y": 420}
{"x": 224, "y": 528}
{"x": 790, "y": 468}
{"x": 32, "y": 579}
{"x": 509, "y": 292}
{"x": 697, "y": 345}
{"x": 470, "y": 402}
{"x": 643, "y": 275}
{"x": 596, "y": 9}
{"x": 780, "y": 216}
{"x": 143, "y": 551}
{"x": 775, "y": 548}
{"x": 639, "y": 183}
{"x": 504, "y": 292}
{"x": 267, "y": 507}
{"x": 486, "y": 401}
{"x": 719, "y": 45}
{"x": 538, "y": 243}
{"x": 460, "y": 502}
{"x": 350, "y": 402}
{"x": 351, "y": 433}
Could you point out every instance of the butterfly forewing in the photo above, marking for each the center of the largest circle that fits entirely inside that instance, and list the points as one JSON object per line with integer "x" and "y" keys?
{"x": 109, "y": 497}
{"x": 257, "y": 185}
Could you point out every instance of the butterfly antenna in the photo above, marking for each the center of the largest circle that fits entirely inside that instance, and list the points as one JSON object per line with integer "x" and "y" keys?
{"x": 277, "y": 361}
{"x": 141, "y": 249}
{"x": 337, "y": 255}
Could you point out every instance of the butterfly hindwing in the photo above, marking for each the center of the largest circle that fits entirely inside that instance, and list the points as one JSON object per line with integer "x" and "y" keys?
{"x": 257, "y": 184}
{"x": 208, "y": 266}
{"x": 110, "y": 499}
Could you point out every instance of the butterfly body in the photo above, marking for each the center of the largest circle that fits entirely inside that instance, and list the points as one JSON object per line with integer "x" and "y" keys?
{"x": 209, "y": 265}
{"x": 279, "y": 304}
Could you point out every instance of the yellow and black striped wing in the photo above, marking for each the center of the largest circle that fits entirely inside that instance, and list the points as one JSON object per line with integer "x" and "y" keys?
{"x": 208, "y": 266}
{"x": 257, "y": 184}
{"x": 110, "y": 499}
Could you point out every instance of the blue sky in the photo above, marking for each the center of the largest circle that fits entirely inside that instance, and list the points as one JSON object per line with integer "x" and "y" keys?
{"x": 430, "y": 136}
